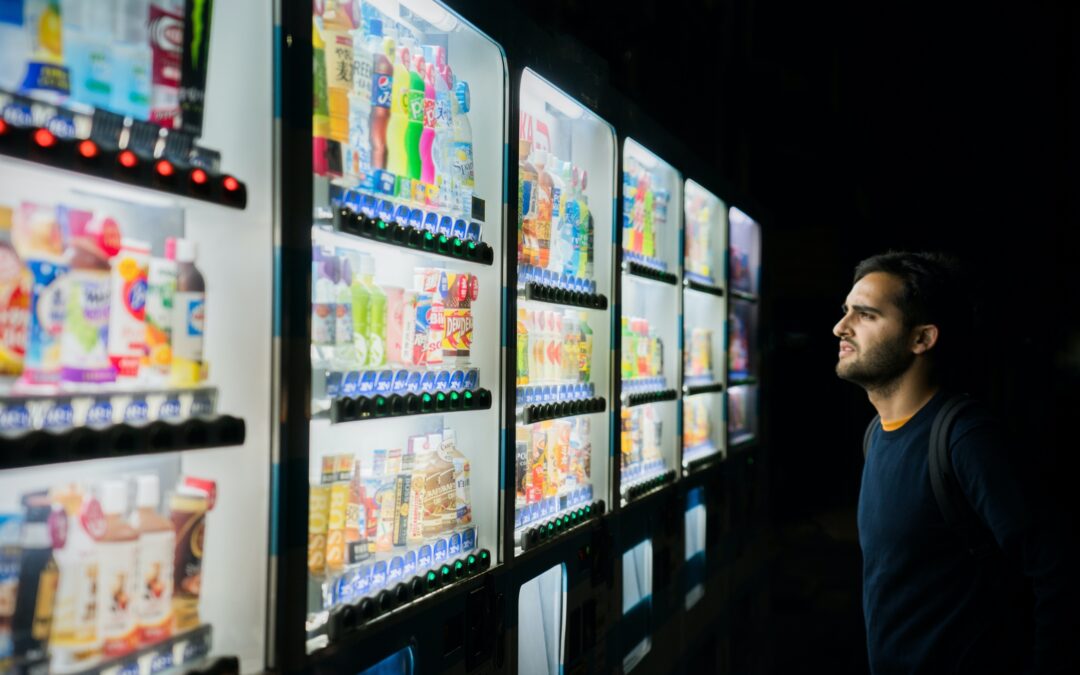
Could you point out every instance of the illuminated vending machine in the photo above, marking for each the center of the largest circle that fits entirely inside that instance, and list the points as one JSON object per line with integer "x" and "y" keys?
{"x": 135, "y": 329}
{"x": 704, "y": 311}
{"x": 744, "y": 265}
{"x": 562, "y": 474}
{"x": 405, "y": 309}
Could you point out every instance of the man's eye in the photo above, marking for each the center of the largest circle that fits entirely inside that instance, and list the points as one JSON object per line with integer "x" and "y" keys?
{"x": 866, "y": 315}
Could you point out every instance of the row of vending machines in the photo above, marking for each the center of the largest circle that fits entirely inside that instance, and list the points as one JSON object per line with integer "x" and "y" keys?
{"x": 393, "y": 318}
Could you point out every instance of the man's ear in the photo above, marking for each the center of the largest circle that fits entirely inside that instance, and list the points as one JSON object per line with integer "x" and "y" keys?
{"x": 923, "y": 338}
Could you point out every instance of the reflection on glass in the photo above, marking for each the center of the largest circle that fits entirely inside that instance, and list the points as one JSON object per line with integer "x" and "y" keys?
{"x": 745, "y": 252}
{"x": 637, "y": 602}
{"x": 398, "y": 663}
{"x": 694, "y": 522}
{"x": 541, "y": 617}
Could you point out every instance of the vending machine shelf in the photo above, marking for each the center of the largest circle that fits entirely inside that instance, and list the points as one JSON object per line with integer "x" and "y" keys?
{"x": 347, "y": 619}
{"x": 743, "y": 295}
{"x": 636, "y": 269}
{"x": 179, "y": 653}
{"x": 700, "y": 287}
{"x": 90, "y": 145}
{"x": 641, "y": 487}
{"x": 703, "y": 388}
{"x": 532, "y": 537}
{"x": 641, "y": 398}
{"x": 419, "y": 239}
{"x": 361, "y": 408}
{"x": 550, "y": 411}
{"x": 741, "y": 444}
{"x": 41, "y": 447}
{"x": 738, "y": 381}
{"x": 695, "y": 464}
{"x": 561, "y": 296}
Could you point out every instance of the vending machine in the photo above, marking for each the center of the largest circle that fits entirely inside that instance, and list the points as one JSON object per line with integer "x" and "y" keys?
{"x": 704, "y": 313}
{"x": 562, "y": 374}
{"x": 744, "y": 269}
{"x": 394, "y": 389}
{"x": 565, "y": 194}
{"x": 650, "y": 305}
{"x": 135, "y": 329}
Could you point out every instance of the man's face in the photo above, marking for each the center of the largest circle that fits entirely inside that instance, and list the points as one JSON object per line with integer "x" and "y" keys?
{"x": 874, "y": 349}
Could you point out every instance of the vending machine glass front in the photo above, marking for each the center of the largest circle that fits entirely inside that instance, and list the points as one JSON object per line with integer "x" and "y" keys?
{"x": 409, "y": 128}
{"x": 635, "y": 628}
{"x": 649, "y": 337}
{"x": 704, "y": 310}
{"x": 541, "y": 622}
{"x": 694, "y": 522}
{"x": 566, "y": 183}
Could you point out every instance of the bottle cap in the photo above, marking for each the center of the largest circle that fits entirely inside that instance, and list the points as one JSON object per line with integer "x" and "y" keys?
{"x": 462, "y": 93}
{"x": 186, "y": 250}
{"x": 367, "y": 265}
{"x": 114, "y": 497}
{"x": 148, "y": 491}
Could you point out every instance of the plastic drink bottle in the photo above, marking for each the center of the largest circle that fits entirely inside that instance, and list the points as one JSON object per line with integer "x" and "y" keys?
{"x": 585, "y": 346}
{"x": 397, "y": 158}
{"x": 189, "y": 315}
{"x": 132, "y": 60}
{"x": 157, "y": 546}
{"x": 381, "y": 96}
{"x": 358, "y": 151}
{"x": 444, "y": 80}
{"x": 522, "y": 346}
{"x": 543, "y": 209}
{"x": 344, "y": 353}
{"x": 47, "y": 77}
{"x": 84, "y": 355}
{"x": 527, "y": 192}
{"x": 427, "y": 136}
{"x": 88, "y": 44}
{"x": 376, "y": 336}
{"x": 415, "y": 127}
{"x": 360, "y": 299}
{"x": 118, "y": 552}
{"x": 461, "y": 151}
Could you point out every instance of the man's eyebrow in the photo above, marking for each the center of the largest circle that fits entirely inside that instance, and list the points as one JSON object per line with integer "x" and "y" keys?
{"x": 863, "y": 308}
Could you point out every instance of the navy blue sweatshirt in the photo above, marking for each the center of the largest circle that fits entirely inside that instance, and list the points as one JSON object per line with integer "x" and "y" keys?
{"x": 928, "y": 606}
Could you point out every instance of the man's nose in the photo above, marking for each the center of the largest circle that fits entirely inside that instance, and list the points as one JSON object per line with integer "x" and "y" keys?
{"x": 841, "y": 328}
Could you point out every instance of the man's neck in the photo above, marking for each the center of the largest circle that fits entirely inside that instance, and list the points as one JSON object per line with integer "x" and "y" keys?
{"x": 903, "y": 398}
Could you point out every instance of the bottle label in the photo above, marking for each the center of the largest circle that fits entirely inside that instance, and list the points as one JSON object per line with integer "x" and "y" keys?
{"x": 154, "y": 584}
{"x": 415, "y": 101}
{"x": 188, "y": 335}
{"x": 429, "y": 113}
{"x": 116, "y": 595}
{"x": 461, "y": 155}
{"x": 343, "y": 323}
{"x": 380, "y": 90}
{"x": 323, "y": 322}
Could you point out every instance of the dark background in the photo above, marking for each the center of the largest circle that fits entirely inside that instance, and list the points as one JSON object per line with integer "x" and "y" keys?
{"x": 859, "y": 127}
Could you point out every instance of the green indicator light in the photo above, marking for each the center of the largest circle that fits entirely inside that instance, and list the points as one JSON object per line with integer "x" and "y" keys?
{"x": 445, "y": 570}
{"x": 443, "y": 239}
{"x": 458, "y": 243}
{"x": 551, "y": 527}
{"x": 382, "y": 225}
{"x": 454, "y": 395}
{"x": 379, "y": 400}
{"x": 429, "y": 236}
{"x": 441, "y": 396}
{"x": 458, "y": 565}
{"x": 468, "y": 394}
{"x": 427, "y": 398}
{"x": 472, "y": 244}
{"x": 749, "y": 460}
{"x": 472, "y": 560}
{"x": 484, "y": 555}
{"x": 431, "y": 576}
{"x": 573, "y": 516}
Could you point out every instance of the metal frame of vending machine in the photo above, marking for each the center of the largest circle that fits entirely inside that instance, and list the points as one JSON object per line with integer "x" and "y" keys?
{"x": 561, "y": 568}
{"x": 446, "y": 614}
{"x": 107, "y": 415}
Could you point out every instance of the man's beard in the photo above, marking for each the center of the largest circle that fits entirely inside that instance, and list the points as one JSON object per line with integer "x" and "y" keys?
{"x": 878, "y": 369}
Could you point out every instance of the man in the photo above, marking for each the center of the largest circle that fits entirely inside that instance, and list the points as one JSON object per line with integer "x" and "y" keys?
{"x": 930, "y": 605}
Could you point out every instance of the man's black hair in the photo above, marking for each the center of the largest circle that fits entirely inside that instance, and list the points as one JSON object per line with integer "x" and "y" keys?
{"x": 934, "y": 290}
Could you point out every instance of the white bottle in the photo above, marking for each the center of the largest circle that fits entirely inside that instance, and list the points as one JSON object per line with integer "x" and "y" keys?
{"x": 157, "y": 547}
{"x": 118, "y": 550}
{"x": 188, "y": 318}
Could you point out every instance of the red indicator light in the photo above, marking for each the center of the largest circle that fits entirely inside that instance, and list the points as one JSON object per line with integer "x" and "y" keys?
{"x": 44, "y": 138}
{"x": 198, "y": 176}
{"x": 88, "y": 149}
{"x": 127, "y": 159}
{"x": 3, "y": 127}
{"x": 164, "y": 168}
{"x": 231, "y": 184}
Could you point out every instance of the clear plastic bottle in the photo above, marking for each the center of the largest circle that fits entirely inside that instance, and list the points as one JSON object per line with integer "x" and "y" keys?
{"x": 376, "y": 323}
{"x": 461, "y": 151}
{"x": 344, "y": 351}
{"x": 132, "y": 60}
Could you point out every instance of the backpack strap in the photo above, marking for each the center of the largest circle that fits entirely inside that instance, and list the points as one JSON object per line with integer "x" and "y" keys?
{"x": 950, "y": 497}
{"x": 869, "y": 434}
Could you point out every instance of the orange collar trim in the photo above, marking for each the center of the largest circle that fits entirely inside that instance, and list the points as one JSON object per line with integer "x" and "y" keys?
{"x": 894, "y": 425}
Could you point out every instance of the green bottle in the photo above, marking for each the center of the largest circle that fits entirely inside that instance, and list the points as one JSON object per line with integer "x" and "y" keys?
{"x": 361, "y": 298}
{"x": 415, "y": 127}
{"x": 376, "y": 321}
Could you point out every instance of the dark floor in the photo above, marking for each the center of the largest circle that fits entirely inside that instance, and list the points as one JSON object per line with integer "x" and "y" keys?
{"x": 815, "y": 625}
